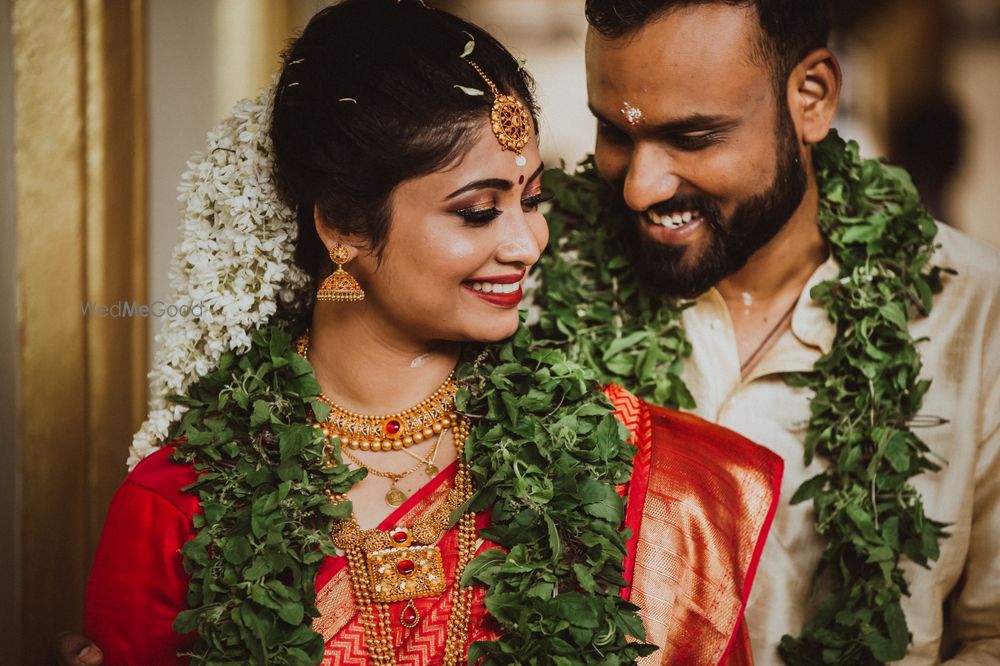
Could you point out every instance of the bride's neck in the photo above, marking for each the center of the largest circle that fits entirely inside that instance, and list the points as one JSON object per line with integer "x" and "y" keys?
{"x": 367, "y": 367}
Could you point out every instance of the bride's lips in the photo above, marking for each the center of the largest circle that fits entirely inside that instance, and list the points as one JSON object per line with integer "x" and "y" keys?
{"x": 501, "y": 290}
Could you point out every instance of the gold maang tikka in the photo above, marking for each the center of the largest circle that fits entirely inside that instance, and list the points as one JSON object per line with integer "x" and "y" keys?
{"x": 340, "y": 285}
{"x": 509, "y": 118}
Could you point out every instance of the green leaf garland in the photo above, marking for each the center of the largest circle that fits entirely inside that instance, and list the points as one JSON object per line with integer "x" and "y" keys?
{"x": 591, "y": 303}
{"x": 546, "y": 457}
{"x": 866, "y": 389}
{"x": 546, "y": 453}
{"x": 266, "y": 522}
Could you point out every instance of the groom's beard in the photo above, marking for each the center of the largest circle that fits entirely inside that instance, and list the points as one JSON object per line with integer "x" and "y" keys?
{"x": 666, "y": 269}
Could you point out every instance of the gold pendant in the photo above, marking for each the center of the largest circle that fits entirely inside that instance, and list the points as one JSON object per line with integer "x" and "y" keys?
{"x": 412, "y": 572}
{"x": 395, "y": 496}
{"x": 431, "y": 470}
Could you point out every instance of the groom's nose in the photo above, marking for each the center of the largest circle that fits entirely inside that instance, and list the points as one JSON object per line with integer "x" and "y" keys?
{"x": 651, "y": 177}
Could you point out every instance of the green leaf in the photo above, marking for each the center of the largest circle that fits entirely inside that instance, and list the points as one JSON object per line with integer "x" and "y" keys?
{"x": 237, "y": 549}
{"x": 809, "y": 489}
{"x": 578, "y": 610}
{"x": 291, "y": 612}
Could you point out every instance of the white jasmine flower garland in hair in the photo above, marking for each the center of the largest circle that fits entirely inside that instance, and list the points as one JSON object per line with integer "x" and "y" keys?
{"x": 234, "y": 259}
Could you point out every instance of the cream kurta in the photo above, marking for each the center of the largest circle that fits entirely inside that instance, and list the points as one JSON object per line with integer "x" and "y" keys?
{"x": 963, "y": 358}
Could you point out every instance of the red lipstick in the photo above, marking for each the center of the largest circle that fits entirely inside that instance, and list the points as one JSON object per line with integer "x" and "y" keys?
{"x": 505, "y": 300}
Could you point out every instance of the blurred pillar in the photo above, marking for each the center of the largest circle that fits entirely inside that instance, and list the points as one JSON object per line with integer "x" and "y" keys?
{"x": 80, "y": 203}
{"x": 904, "y": 44}
{"x": 250, "y": 36}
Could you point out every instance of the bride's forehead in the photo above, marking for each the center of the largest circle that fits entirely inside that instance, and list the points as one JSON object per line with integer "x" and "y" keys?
{"x": 484, "y": 157}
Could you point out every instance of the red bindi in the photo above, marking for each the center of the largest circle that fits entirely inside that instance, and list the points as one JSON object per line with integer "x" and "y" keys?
{"x": 520, "y": 181}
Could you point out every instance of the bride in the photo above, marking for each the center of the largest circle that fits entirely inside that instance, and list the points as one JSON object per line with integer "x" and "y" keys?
{"x": 370, "y": 460}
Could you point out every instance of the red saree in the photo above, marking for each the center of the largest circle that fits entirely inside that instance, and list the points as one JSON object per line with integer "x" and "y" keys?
{"x": 699, "y": 505}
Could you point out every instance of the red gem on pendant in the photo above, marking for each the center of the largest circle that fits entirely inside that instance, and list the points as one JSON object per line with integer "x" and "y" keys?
{"x": 405, "y": 567}
{"x": 392, "y": 427}
{"x": 408, "y": 616}
{"x": 398, "y": 535}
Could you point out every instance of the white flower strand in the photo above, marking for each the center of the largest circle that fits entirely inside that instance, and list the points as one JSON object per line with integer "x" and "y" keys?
{"x": 234, "y": 259}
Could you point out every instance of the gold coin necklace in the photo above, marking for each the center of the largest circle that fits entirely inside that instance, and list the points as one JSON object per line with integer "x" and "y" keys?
{"x": 395, "y": 497}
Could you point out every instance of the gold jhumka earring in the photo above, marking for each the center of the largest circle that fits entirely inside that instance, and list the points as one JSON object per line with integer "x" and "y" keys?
{"x": 340, "y": 285}
{"x": 509, "y": 119}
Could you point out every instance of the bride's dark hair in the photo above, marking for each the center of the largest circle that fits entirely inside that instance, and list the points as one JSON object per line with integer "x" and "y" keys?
{"x": 369, "y": 97}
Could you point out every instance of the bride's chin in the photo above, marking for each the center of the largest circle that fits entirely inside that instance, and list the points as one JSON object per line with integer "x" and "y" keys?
{"x": 498, "y": 332}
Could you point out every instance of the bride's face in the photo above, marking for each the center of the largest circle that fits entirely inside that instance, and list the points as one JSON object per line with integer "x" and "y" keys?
{"x": 460, "y": 243}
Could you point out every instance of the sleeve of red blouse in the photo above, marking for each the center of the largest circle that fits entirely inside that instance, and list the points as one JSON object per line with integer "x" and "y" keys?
{"x": 137, "y": 583}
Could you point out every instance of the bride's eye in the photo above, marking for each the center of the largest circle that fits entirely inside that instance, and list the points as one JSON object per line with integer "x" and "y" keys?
{"x": 534, "y": 201}
{"x": 478, "y": 215}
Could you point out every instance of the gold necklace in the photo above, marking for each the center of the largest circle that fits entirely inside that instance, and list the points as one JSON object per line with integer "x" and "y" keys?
{"x": 392, "y": 432}
{"x": 431, "y": 470}
{"x": 395, "y": 496}
{"x": 386, "y": 567}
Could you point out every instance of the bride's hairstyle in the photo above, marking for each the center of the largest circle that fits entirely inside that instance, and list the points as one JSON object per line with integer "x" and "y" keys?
{"x": 370, "y": 95}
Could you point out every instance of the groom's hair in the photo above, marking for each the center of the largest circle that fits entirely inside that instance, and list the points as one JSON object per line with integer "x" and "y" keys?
{"x": 789, "y": 29}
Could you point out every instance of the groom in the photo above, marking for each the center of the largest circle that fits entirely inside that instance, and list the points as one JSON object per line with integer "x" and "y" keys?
{"x": 707, "y": 112}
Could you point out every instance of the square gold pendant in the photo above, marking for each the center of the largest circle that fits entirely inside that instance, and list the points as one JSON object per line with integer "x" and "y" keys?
{"x": 398, "y": 574}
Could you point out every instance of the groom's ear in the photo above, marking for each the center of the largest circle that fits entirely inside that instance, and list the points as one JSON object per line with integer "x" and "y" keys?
{"x": 814, "y": 94}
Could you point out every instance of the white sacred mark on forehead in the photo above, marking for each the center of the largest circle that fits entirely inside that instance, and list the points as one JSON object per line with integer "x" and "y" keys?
{"x": 633, "y": 114}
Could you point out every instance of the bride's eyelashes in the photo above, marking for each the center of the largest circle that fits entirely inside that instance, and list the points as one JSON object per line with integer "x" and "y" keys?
{"x": 479, "y": 215}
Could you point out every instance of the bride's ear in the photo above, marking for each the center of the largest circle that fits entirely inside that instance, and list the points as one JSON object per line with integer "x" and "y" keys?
{"x": 329, "y": 235}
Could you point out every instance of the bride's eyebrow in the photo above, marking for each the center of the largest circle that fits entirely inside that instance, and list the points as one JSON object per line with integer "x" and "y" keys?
{"x": 491, "y": 184}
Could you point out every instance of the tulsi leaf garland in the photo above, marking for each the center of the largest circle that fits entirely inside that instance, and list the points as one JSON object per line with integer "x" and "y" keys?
{"x": 591, "y": 303}
{"x": 266, "y": 522}
{"x": 546, "y": 453}
{"x": 546, "y": 457}
{"x": 866, "y": 389}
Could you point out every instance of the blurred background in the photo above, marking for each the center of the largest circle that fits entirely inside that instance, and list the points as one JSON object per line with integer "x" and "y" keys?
{"x": 102, "y": 102}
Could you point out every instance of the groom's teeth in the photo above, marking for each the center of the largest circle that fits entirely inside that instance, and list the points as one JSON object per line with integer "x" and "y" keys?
{"x": 674, "y": 221}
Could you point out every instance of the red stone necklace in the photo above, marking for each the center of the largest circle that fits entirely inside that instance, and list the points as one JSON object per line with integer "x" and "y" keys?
{"x": 390, "y": 432}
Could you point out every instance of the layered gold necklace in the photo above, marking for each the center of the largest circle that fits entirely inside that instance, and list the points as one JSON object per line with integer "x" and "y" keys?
{"x": 395, "y": 497}
{"x": 432, "y": 416}
{"x": 405, "y": 563}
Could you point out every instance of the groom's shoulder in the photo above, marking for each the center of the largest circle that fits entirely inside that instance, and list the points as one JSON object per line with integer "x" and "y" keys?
{"x": 975, "y": 262}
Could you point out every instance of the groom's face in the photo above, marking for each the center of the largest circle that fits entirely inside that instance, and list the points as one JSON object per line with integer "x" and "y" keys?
{"x": 701, "y": 148}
